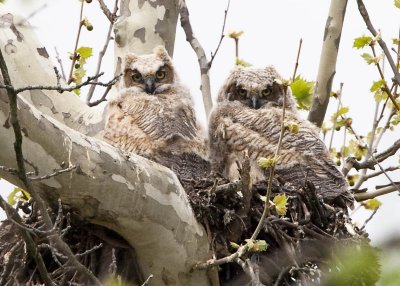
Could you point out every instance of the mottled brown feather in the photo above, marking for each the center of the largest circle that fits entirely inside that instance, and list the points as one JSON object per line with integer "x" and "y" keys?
{"x": 236, "y": 127}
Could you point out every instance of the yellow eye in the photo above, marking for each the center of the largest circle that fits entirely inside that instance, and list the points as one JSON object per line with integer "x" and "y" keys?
{"x": 242, "y": 92}
{"x": 266, "y": 92}
{"x": 137, "y": 77}
{"x": 160, "y": 74}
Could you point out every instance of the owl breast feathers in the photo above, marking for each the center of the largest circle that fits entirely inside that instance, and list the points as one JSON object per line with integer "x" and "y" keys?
{"x": 153, "y": 116}
{"x": 247, "y": 118}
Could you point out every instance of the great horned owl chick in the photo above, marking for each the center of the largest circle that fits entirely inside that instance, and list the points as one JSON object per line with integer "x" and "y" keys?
{"x": 247, "y": 118}
{"x": 153, "y": 115}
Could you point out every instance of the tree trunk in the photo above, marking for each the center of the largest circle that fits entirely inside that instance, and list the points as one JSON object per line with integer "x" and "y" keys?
{"x": 327, "y": 63}
{"x": 140, "y": 200}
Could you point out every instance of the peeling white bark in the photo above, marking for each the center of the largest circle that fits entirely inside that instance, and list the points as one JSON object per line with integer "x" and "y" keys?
{"x": 140, "y": 200}
{"x": 143, "y": 25}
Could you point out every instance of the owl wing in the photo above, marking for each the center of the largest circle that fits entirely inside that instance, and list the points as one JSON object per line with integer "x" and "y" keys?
{"x": 303, "y": 156}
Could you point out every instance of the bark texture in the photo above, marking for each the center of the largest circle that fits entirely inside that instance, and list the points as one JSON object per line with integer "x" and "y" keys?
{"x": 140, "y": 200}
{"x": 143, "y": 25}
{"x": 327, "y": 64}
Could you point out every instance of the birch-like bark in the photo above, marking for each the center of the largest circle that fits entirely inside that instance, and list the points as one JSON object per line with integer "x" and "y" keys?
{"x": 143, "y": 25}
{"x": 140, "y": 200}
{"x": 327, "y": 64}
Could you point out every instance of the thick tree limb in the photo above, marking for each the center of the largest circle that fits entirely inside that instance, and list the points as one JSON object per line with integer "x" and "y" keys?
{"x": 54, "y": 239}
{"x": 327, "y": 64}
{"x": 137, "y": 198}
{"x": 140, "y": 200}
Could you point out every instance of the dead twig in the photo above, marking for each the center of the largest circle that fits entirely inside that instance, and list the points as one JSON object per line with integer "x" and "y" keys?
{"x": 204, "y": 63}
{"x": 88, "y": 81}
{"x": 56, "y": 173}
{"x": 110, "y": 16}
{"x": 75, "y": 56}
{"x": 222, "y": 35}
{"x": 61, "y": 64}
{"x": 297, "y": 60}
{"x": 29, "y": 242}
{"x": 100, "y": 59}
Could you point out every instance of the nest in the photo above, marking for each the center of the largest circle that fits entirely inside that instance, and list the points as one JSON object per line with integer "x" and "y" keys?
{"x": 300, "y": 243}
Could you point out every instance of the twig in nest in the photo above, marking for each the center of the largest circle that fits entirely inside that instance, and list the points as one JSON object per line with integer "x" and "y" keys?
{"x": 30, "y": 244}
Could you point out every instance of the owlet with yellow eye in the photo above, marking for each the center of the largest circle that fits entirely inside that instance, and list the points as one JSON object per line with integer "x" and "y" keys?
{"x": 153, "y": 116}
{"x": 247, "y": 119}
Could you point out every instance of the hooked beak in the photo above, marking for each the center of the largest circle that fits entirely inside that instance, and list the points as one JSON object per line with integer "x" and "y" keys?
{"x": 149, "y": 85}
{"x": 255, "y": 101}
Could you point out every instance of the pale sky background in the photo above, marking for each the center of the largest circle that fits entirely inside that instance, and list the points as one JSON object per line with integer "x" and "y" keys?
{"x": 272, "y": 32}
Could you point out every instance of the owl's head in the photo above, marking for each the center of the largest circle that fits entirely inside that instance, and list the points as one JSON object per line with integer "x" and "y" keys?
{"x": 255, "y": 88}
{"x": 153, "y": 73}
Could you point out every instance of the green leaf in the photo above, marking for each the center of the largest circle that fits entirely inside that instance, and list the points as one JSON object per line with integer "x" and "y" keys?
{"x": 293, "y": 127}
{"x": 342, "y": 111}
{"x": 396, "y": 120}
{"x": 234, "y": 245}
{"x": 357, "y": 150}
{"x": 241, "y": 62}
{"x": 377, "y": 85}
{"x": 18, "y": 194}
{"x": 380, "y": 95}
{"x": 397, "y": 3}
{"x": 267, "y": 162}
{"x": 372, "y": 204}
{"x": 302, "y": 91}
{"x": 361, "y": 42}
{"x": 11, "y": 197}
{"x": 257, "y": 245}
{"x": 280, "y": 202}
{"x": 395, "y": 41}
{"x": 368, "y": 58}
{"x": 85, "y": 52}
{"x": 235, "y": 34}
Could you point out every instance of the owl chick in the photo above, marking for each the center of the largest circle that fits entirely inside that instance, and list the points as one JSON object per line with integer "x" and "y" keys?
{"x": 247, "y": 118}
{"x": 153, "y": 115}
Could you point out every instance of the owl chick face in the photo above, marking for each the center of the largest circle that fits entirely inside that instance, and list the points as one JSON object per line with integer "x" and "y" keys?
{"x": 152, "y": 74}
{"x": 254, "y": 88}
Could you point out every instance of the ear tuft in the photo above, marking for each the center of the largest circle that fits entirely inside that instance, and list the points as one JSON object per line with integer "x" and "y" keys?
{"x": 162, "y": 53}
{"x": 129, "y": 59}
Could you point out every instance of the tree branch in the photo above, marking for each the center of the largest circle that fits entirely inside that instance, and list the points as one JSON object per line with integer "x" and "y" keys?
{"x": 382, "y": 44}
{"x": 54, "y": 239}
{"x": 371, "y": 162}
{"x": 29, "y": 242}
{"x": 327, "y": 65}
{"x": 201, "y": 56}
{"x": 100, "y": 59}
{"x": 222, "y": 35}
{"x": 359, "y": 197}
{"x": 110, "y": 16}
